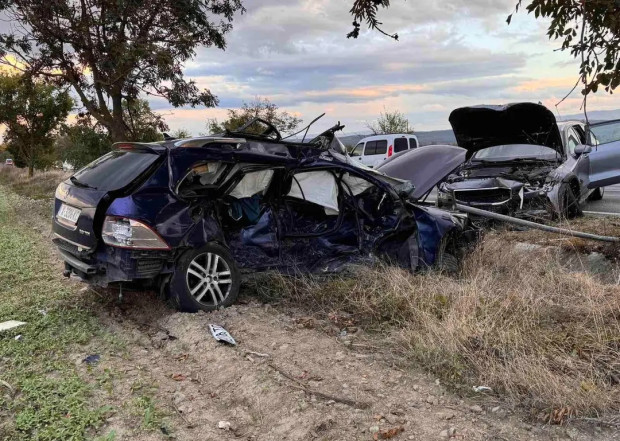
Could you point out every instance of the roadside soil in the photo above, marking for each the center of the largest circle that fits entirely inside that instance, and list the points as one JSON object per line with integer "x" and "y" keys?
{"x": 290, "y": 377}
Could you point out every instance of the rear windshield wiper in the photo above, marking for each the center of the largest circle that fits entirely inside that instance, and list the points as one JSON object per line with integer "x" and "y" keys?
{"x": 77, "y": 182}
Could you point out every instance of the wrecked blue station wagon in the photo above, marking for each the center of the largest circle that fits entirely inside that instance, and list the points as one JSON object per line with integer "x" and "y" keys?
{"x": 190, "y": 215}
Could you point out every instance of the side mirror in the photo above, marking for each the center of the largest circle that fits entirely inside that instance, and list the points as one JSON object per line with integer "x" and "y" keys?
{"x": 581, "y": 149}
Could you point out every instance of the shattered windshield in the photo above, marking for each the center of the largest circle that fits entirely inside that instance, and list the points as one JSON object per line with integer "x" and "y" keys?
{"x": 515, "y": 151}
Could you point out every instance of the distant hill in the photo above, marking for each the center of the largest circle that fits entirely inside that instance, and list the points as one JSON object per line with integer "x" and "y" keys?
{"x": 447, "y": 136}
{"x": 594, "y": 115}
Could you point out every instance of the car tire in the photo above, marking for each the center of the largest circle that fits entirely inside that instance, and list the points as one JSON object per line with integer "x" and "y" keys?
{"x": 205, "y": 279}
{"x": 597, "y": 194}
{"x": 445, "y": 262}
{"x": 569, "y": 202}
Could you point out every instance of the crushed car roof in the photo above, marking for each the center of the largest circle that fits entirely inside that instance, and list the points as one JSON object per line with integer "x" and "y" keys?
{"x": 480, "y": 127}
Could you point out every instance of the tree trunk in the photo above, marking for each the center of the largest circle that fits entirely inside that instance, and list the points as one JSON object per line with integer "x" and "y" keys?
{"x": 31, "y": 168}
{"x": 118, "y": 129}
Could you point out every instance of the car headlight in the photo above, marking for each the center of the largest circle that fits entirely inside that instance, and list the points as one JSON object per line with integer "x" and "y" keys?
{"x": 128, "y": 233}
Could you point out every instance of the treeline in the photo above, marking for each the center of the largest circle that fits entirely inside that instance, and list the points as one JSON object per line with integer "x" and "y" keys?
{"x": 41, "y": 132}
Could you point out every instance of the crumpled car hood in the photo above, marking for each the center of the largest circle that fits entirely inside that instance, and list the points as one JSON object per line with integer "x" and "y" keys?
{"x": 480, "y": 127}
{"x": 424, "y": 167}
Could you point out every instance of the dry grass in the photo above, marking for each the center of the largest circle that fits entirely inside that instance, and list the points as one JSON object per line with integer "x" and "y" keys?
{"x": 41, "y": 186}
{"x": 518, "y": 322}
{"x": 606, "y": 226}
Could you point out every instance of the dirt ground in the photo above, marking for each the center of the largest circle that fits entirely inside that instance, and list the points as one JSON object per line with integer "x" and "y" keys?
{"x": 290, "y": 377}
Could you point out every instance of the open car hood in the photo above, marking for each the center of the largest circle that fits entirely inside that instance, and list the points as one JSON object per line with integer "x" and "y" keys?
{"x": 480, "y": 127}
{"x": 424, "y": 167}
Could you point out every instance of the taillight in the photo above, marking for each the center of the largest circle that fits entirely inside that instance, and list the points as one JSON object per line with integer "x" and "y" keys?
{"x": 390, "y": 151}
{"x": 128, "y": 233}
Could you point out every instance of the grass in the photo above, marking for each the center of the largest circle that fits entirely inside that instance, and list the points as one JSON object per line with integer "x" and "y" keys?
{"x": 47, "y": 399}
{"x": 521, "y": 323}
{"x": 41, "y": 186}
{"x": 45, "y": 392}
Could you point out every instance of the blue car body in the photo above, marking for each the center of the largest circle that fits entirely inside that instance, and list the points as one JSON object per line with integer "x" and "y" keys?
{"x": 165, "y": 188}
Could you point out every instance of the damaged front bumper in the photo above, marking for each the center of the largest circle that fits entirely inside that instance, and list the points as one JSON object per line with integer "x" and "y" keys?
{"x": 497, "y": 195}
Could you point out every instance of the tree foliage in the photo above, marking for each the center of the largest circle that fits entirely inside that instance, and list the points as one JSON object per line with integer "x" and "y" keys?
{"x": 113, "y": 50}
{"x": 82, "y": 142}
{"x": 366, "y": 11}
{"x": 32, "y": 111}
{"x": 181, "y": 133}
{"x": 86, "y": 140}
{"x": 143, "y": 124}
{"x": 590, "y": 30}
{"x": 259, "y": 108}
{"x": 390, "y": 122}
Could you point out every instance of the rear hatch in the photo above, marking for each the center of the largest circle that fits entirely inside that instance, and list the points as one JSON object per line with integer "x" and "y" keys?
{"x": 81, "y": 201}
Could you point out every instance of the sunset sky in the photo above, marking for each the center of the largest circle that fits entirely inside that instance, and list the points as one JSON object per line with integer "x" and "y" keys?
{"x": 450, "y": 54}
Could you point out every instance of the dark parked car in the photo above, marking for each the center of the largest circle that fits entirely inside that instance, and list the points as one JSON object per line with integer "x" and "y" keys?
{"x": 517, "y": 160}
{"x": 187, "y": 215}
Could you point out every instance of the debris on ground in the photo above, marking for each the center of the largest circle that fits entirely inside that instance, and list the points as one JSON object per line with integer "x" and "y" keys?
{"x": 224, "y": 425}
{"x": 10, "y": 324}
{"x": 221, "y": 334}
{"x": 388, "y": 433}
{"x": 482, "y": 389}
{"x": 92, "y": 359}
{"x": 8, "y": 386}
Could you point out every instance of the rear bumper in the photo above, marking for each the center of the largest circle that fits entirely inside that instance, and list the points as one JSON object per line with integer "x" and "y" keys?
{"x": 75, "y": 263}
{"x": 109, "y": 265}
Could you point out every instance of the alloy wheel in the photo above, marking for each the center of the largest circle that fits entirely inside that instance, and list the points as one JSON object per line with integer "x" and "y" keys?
{"x": 209, "y": 279}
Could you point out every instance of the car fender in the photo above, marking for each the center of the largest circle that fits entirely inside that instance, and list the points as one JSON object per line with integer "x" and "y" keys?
{"x": 433, "y": 224}
{"x": 554, "y": 182}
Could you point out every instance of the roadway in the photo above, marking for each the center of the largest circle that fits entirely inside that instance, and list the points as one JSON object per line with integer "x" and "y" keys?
{"x": 610, "y": 204}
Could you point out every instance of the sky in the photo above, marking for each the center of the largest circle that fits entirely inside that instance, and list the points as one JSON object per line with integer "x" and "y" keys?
{"x": 451, "y": 53}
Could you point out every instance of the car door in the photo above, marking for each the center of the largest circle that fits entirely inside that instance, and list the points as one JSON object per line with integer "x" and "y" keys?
{"x": 375, "y": 152}
{"x": 605, "y": 155}
{"x": 229, "y": 199}
{"x": 369, "y": 152}
{"x": 579, "y": 163}
{"x": 313, "y": 222}
{"x": 358, "y": 152}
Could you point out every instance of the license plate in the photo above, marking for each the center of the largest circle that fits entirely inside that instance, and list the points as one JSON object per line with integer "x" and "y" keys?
{"x": 69, "y": 214}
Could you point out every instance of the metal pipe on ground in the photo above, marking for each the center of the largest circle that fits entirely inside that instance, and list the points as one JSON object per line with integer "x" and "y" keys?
{"x": 525, "y": 223}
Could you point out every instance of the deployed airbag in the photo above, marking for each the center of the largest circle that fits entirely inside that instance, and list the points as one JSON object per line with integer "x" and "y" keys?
{"x": 318, "y": 187}
{"x": 252, "y": 183}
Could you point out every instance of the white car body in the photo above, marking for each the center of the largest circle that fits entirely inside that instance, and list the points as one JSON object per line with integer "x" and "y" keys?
{"x": 373, "y": 150}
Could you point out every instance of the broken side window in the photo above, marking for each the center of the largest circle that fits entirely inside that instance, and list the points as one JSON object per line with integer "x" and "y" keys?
{"x": 200, "y": 177}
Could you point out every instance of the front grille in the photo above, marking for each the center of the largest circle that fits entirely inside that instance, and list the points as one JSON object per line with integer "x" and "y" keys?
{"x": 483, "y": 196}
